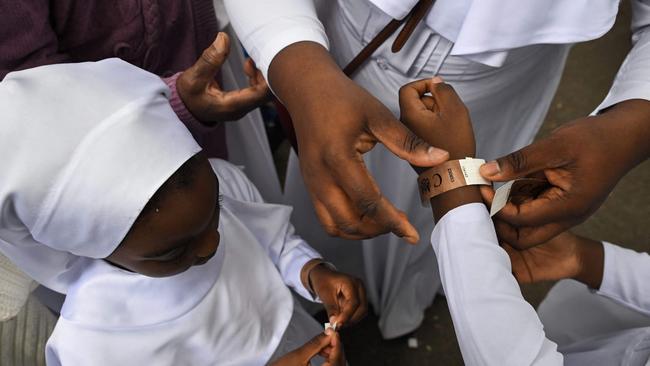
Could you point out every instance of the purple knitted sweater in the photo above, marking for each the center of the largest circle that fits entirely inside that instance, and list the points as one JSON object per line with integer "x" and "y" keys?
{"x": 161, "y": 36}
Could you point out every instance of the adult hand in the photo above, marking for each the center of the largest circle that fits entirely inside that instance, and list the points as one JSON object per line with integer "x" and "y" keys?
{"x": 565, "y": 256}
{"x": 343, "y": 296}
{"x": 582, "y": 160}
{"x": 203, "y": 96}
{"x": 328, "y": 345}
{"x": 336, "y": 122}
{"x": 440, "y": 118}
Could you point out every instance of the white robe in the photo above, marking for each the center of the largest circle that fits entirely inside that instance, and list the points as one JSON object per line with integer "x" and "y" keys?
{"x": 496, "y": 326}
{"x": 507, "y": 105}
{"x": 234, "y": 310}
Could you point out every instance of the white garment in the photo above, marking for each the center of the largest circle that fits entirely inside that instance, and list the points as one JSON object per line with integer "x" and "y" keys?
{"x": 398, "y": 277}
{"x": 233, "y": 310}
{"x": 483, "y": 30}
{"x": 507, "y": 105}
{"x": 64, "y": 151}
{"x": 496, "y": 326}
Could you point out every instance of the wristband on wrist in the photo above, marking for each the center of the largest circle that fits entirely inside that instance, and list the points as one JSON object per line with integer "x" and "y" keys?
{"x": 306, "y": 272}
{"x": 450, "y": 175}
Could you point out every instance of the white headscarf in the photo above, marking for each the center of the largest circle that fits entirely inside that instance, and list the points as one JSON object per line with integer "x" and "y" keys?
{"x": 83, "y": 147}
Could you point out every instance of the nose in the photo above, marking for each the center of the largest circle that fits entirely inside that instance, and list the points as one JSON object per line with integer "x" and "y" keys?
{"x": 208, "y": 247}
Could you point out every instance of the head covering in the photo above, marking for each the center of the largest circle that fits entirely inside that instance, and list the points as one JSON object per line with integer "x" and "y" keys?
{"x": 83, "y": 148}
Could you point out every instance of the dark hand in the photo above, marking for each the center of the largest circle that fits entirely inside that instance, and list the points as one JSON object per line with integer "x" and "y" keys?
{"x": 203, "y": 96}
{"x": 565, "y": 256}
{"x": 440, "y": 119}
{"x": 343, "y": 296}
{"x": 336, "y": 123}
{"x": 583, "y": 160}
{"x": 327, "y": 345}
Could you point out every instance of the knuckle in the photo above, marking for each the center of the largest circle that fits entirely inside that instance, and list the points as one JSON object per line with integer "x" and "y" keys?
{"x": 412, "y": 142}
{"x": 368, "y": 206}
{"x": 517, "y": 161}
{"x": 348, "y": 228}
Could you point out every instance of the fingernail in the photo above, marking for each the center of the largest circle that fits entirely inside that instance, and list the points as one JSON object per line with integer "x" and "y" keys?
{"x": 329, "y": 331}
{"x": 437, "y": 80}
{"x": 220, "y": 43}
{"x": 438, "y": 154}
{"x": 489, "y": 169}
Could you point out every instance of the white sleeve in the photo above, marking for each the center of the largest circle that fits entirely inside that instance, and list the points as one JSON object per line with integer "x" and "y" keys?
{"x": 266, "y": 27}
{"x": 626, "y": 278}
{"x": 633, "y": 78}
{"x": 494, "y": 324}
{"x": 269, "y": 223}
{"x": 289, "y": 252}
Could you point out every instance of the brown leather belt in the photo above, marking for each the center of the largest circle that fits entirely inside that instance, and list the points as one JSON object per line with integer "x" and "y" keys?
{"x": 410, "y": 22}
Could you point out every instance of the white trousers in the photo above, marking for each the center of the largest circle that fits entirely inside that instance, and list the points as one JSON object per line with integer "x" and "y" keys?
{"x": 507, "y": 106}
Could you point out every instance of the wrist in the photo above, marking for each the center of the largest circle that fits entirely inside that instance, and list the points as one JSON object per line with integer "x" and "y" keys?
{"x": 311, "y": 273}
{"x": 445, "y": 202}
{"x": 451, "y": 184}
{"x": 628, "y": 125}
{"x": 300, "y": 72}
{"x": 591, "y": 260}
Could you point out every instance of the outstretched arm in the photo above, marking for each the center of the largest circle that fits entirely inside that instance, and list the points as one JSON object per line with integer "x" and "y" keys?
{"x": 494, "y": 324}
{"x": 336, "y": 121}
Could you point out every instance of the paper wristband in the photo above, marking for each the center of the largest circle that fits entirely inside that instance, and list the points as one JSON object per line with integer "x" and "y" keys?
{"x": 517, "y": 191}
{"x": 448, "y": 176}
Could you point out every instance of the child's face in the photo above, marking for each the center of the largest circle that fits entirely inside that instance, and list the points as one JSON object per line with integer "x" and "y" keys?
{"x": 179, "y": 231}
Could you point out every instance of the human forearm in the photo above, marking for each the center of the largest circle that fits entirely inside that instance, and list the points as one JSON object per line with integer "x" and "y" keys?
{"x": 447, "y": 201}
{"x": 303, "y": 74}
{"x": 628, "y": 130}
{"x": 274, "y": 25}
{"x": 493, "y": 323}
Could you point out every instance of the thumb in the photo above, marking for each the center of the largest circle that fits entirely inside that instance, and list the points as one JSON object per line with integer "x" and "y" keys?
{"x": 532, "y": 158}
{"x": 310, "y": 349}
{"x": 408, "y": 146}
{"x": 208, "y": 65}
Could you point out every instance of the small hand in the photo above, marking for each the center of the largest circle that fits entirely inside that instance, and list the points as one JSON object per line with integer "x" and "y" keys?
{"x": 343, "y": 296}
{"x": 565, "y": 256}
{"x": 440, "y": 119}
{"x": 327, "y": 344}
{"x": 556, "y": 259}
{"x": 203, "y": 96}
{"x": 582, "y": 160}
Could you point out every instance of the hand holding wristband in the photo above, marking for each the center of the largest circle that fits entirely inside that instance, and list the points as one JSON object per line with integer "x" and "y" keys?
{"x": 450, "y": 175}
